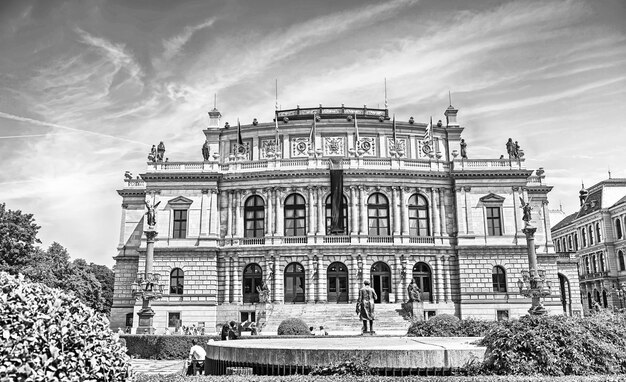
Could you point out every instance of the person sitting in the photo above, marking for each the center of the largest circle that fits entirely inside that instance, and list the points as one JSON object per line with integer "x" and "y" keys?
{"x": 197, "y": 354}
{"x": 235, "y": 331}
{"x": 253, "y": 329}
{"x": 312, "y": 330}
{"x": 225, "y": 332}
{"x": 321, "y": 332}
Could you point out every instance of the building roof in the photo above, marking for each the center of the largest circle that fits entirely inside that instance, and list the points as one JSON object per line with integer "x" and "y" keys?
{"x": 567, "y": 220}
{"x": 621, "y": 201}
{"x": 592, "y": 203}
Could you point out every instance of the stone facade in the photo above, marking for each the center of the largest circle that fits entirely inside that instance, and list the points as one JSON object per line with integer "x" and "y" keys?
{"x": 593, "y": 242}
{"x": 258, "y": 215}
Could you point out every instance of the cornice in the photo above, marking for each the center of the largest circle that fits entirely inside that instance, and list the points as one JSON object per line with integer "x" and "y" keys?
{"x": 464, "y": 174}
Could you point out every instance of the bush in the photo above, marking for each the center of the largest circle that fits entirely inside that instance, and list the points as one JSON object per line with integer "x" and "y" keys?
{"x": 446, "y": 325}
{"x": 557, "y": 345}
{"x": 293, "y": 327}
{"x": 49, "y": 335}
{"x": 162, "y": 347}
{"x": 355, "y": 366}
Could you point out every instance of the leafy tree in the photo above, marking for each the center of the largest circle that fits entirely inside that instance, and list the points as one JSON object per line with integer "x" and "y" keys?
{"x": 107, "y": 280}
{"x": 18, "y": 236}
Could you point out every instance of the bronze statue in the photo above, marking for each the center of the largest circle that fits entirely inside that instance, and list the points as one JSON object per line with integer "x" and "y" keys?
{"x": 463, "y": 149}
{"x": 526, "y": 208}
{"x": 365, "y": 306}
{"x": 160, "y": 152}
{"x": 152, "y": 156}
{"x": 205, "y": 150}
{"x": 415, "y": 294}
{"x": 510, "y": 148}
{"x": 516, "y": 150}
{"x": 264, "y": 293}
{"x": 151, "y": 214}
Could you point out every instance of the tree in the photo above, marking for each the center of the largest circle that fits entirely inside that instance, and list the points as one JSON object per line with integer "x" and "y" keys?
{"x": 107, "y": 280}
{"x": 18, "y": 236}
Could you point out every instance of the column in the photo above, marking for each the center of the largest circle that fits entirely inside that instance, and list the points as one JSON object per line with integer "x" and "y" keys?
{"x": 269, "y": 269}
{"x": 469, "y": 221}
{"x": 238, "y": 219}
{"x": 123, "y": 225}
{"x": 516, "y": 215}
{"x": 311, "y": 212}
{"x": 439, "y": 283}
{"x": 354, "y": 278}
{"x": 405, "y": 212}
{"x": 366, "y": 268}
{"x": 237, "y": 294}
{"x": 460, "y": 211}
{"x": 546, "y": 223}
{"x": 396, "y": 278}
{"x": 229, "y": 215}
{"x": 446, "y": 271}
{"x": 434, "y": 193}
{"x": 280, "y": 216}
{"x": 442, "y": 211}
{"x": 321, "y": 212}
{"x": 279, "y": 282}
{"x": 321, "y": 281}
{"x": 214, "y": 221}
{"x": 310, "y": 284}
{"x": 205, "y": 211}
{"x": 362, "y": 211}
{"x": 354, "y": 211}
{"x": 227, "y": 279}
{"x": 269, "y": 213}
{"x": 396, "y": 211}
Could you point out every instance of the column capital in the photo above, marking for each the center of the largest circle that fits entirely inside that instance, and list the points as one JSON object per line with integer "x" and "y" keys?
{"x": 467, "y": 188}
{"x": 205, "y": 191}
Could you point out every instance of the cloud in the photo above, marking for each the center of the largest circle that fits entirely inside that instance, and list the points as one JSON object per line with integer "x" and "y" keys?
{"x": 173, "y": 45}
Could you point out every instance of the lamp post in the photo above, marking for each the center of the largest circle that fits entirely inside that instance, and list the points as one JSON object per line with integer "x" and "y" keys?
{"x": 533, "y": 283}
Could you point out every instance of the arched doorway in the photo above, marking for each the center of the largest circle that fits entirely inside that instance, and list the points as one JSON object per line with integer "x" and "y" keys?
{"x": 337, "y": 277}
{"x": 381, "y": 281}
{"x": 252, "y": 278}
{"x": 294, "y": 283}
{"x": 565, "y": 294}
{"x": 423, "y": 278}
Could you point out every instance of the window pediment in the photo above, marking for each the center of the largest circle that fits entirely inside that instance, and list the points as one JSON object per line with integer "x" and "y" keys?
{"x": 180, "y": 201}
{"x": 492, "y": 199}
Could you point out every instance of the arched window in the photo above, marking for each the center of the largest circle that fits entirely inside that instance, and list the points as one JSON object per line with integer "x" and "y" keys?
{"x": 380, "y": 276}
{"x": 252, "y": 278}
{"x": 419, "y": 224}
{"x": 620, "y": 258}
{"x": 587, "y": 267}
{"x": 177, "y": 279}
{"x": 337, "y": 282}
{"x": 378, "y": 215}
{"x": 498, "y": 276}
{"x": 558, "y": 245}
{"x": 254, "y": 217}
{"x": 295, "y": 215}
{"x": 294, "y": 283}
{"x": 594, "y": 263}
{"x": 583, "y": 235}
{"x": 423, "y": 278}
{"x": 575, "y": 242}
{"x": 344, "y": 215}
{"x": 618, "y": 228}
{"x": 591, "y": 235}
{"x": 569, "y": 243}
{"x": 598, "y": 233}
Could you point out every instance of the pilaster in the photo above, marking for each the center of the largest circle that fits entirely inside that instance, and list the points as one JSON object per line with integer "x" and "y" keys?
{"x": 354, "y": 211}
{"x": 269, "y": 216}
{"x": 434, "y": 202}
{"x": 237, "y": 296}
{"x": 229, "y": 215}
{"x": 321, "y": 223}
{"x": 321, "y": 282}
{"x": 396, "y": 211}
{"x": 405, "y": 211}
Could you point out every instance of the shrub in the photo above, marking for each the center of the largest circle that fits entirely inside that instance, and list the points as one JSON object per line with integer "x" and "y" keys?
{"x": 446, "y": 325}
{"x": 557, "y": 345}
{"x": 162, "y": 347}
{"x": 445, "y": 318}
{"x": 293, "y": 327}
{"x": 354, "y": 366}
{"x": 49, "y": 335}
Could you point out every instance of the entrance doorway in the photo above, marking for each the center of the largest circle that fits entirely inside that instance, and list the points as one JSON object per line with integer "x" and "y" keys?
{"x": 337, "y": 277}
{"x": 381, "y": 281}
{"x": 252, "y": 278}
{"x": 423, "y": 278}
{"x": 294, "y": 283}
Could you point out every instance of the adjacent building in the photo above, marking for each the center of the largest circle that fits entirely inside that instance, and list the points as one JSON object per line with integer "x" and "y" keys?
{"x": 406, "y": 200}
{"x": 594, "y": 237}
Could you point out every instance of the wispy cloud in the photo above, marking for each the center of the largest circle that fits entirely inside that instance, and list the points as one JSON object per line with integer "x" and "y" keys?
{"x": 173, "y": 45}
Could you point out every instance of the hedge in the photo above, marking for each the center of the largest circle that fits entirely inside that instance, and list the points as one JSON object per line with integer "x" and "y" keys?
{"x": 450, "y": 326}
{"x": 162, "y": 347}
{"x": 346, "y": 378}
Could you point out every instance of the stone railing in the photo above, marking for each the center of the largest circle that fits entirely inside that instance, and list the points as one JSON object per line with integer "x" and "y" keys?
{"x": 488, "y": 164}
{"x": 135, "y": 183}
{"x": 422, "y": 240}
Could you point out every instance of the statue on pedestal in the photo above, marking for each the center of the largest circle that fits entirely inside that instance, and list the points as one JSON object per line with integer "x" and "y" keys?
{"x": 205, "y": 150}
{"x": 152, "y": 156}
{"x": 264, "y": 293}
{"x": 151, "y": 214}
{"x": 415, "y": 295}
{"x": 510, "y": 148}
{"x": 160, "y": 152}
{"x": 365, "y": 306}
{"x": 526, "y": 208}
{"x": 463, "y": 149}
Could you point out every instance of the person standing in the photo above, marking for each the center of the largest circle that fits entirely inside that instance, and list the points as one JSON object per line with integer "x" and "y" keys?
{"x": 365, "y": 306}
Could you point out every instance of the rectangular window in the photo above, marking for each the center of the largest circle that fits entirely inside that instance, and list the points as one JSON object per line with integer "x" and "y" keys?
{"x": 428, "y": 314}
{"x": 494, "y": 223}
{"x": 502, "y": 315}
{"x": 129, "y": 320}
{"x": 173, "y": 320}
{"x": 180, "y": 224}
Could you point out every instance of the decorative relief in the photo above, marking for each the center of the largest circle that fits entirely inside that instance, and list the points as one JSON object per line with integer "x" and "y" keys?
{"x": 399, "y": 146}
{"x": 300, "y": 147}
{"x": 246, "y": 152}
{"x": 269, "y": 146}
{"x": 334, "y": 146}
{"x": 367, "y": 145}
{"x": 424, "y": 149}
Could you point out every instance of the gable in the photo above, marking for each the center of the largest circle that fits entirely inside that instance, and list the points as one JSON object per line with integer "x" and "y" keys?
{"x": 180, "y": 201}
{"x": 492, "y": 198}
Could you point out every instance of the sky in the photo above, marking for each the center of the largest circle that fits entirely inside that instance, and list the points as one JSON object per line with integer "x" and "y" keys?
{"x": 86, "y": 87}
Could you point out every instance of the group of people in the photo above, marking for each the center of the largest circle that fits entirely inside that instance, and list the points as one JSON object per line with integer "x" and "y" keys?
{"x": 233, "y": 330}
{"x": 319, "y": 332}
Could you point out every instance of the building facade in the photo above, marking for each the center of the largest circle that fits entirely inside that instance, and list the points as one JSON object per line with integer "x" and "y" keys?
{"x": 594, "y": 238}
{"x": 258, "y": 209}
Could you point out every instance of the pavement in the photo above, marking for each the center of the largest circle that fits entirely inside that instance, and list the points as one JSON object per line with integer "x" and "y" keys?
{"x": 155, "y": 366}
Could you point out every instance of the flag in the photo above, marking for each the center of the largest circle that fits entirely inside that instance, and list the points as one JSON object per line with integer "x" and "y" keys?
{"x": 241, "y": 149}
{"x": 336, "y": 197}
{"x": 356, "y": 128}
{"x": 276, "y": 148}
{"x": 312, "y": 134}
{"x": 429, "y": 130}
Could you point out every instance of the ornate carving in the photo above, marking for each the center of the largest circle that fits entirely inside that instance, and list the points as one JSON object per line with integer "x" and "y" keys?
{"x": 399, "y": 146}
{"x": 244, "y": 150}
{"x": 269, "y": 146}
{"x": 366, "y": 146}
{"x": 334, "y": 146}
{"x": 300, "y": 147}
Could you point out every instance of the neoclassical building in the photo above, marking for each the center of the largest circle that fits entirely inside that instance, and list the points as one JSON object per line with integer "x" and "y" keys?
{"x": 594, "y": 236}
{"x": 320, "y": 199}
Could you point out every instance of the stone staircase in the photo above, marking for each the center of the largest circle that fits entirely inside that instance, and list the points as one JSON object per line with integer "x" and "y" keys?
{"x": 335, "y": 317}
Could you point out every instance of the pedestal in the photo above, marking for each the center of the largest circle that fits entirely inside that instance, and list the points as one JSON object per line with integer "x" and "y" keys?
{"x": 536, "y": 308}
{"x": 146, "y": 315}
{"x": 416, "y": 309}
